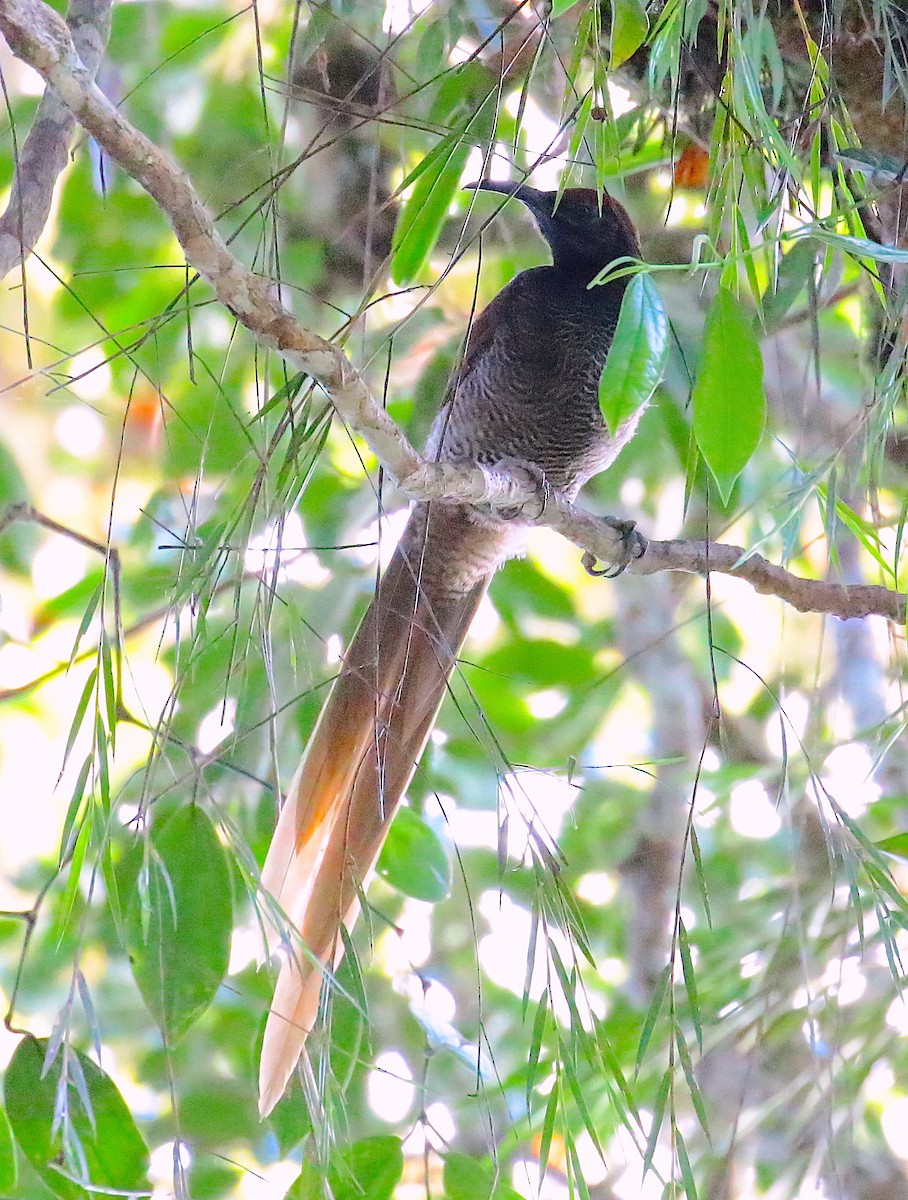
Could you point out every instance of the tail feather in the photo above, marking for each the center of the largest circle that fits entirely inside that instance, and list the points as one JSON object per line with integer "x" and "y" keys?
{"x": 361, "y": 758}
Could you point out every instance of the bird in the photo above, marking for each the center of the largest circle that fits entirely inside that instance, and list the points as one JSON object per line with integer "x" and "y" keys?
{"x": 525, "y": 395}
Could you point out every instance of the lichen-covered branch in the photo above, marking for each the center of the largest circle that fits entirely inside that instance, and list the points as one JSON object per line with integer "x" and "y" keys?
{"x": 38, "y": 36}
{"x": 43, "y": 154}
{"x": 806, "y": 595}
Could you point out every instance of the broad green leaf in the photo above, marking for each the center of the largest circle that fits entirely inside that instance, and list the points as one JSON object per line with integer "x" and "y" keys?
{"x": 178, "y": 927}
{"x": 414, "y": 860}
{"x": 729, "y": 407}
{"x": 114, "y": 1153}
{"x": 367, "y": 1170}
{"x": 423, "y": 214}
{"x": 467, "y": 1178}
{"x": 561, "y": 6}
{"x": 636, "y": 357}
{"x": 630, "y": 25}
{"x": 8, "y": 1167}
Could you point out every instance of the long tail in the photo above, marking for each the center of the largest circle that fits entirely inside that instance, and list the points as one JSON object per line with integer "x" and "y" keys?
{"x": 362, "y": 756}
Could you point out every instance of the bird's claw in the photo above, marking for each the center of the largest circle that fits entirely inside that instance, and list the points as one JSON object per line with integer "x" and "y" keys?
{"x": 535, "y": 478}
{"x": 633, "y": 545}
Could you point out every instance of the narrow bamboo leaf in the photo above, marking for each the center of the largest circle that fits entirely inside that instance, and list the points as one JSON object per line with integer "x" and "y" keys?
{"x": 57, "y": 608}
{"x": 112, "y": 1149}
{"x": 688, "y": 1068}
{"x": 577, "y": 1091}
{"x": 658, "y": 1115}
{"x": 423, "y": 214}
{"x": 71, "y": 891}
{"x": 571, "y": 917}
{"x": 897, "y": 845}
{"x": 729, "y": 407}
{"x": 180, "y": 956}
{"x": 110, "y": 686}
{"x": 561, "y": 6}
{"x": 652, "y": 1015}
{"x": 700, "y": 874}
{"x": 690, "y": 982}
{"x": 636, "y": 357}
{"x": 531, "y": 957}
{"x": 541, "y": 1023}
{"x": 101, "y": 761}
{"x": 548, "y": 1127}
{"x": 414, "y": 860}
{"x": 577, "y": 135}
{"x": 579, "y": 1174}
{"x": 73, "y": 809}
{"x": 687, "y": 1175}
{"x": 630, "y": 25}
{"x": 876, "y": 167}
{"x": 613, "y": 1068}
{"x": 866, "y": 534}
{"x": 568, "y": 984}
{"x": 857, "y": 247}
{"x": 794, "y": 271}
{"x": 79, "y": 714}
{"x": 8, "y": 1166}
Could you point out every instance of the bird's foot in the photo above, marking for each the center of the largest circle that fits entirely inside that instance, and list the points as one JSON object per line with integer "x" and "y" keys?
{"x": 633, "y": 545}
{"x": 530, "y": 475}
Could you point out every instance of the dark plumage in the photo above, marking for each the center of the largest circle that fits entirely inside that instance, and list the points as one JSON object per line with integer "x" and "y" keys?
{"x": 527, "y": 391}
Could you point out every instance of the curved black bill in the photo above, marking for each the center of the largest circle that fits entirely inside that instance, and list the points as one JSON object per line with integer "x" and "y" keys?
{"x": 530, "y": 196}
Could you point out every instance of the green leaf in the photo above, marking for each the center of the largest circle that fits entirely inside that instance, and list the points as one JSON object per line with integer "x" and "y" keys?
{"x": 630, "y": 25}
{"x": 413, "y": 859}
{"x": 178, "y": 925}
{"x": 467, "y": 1178}
{"x": 857, "y": 247}
{"x": 729, "y": 407}
{"x": 690, "y": 982}
{"x": 113, "y": 1151}
{"x": 559, "y": 7}
{"x": 8, "y": 1166}
{"x": 655, "y": 1129}
{"x": 687, "y": 1174}
{"x": 897, "y": 845}
{"x": 794, "y": 271}
{"x": 636, "y": 357}
{"x": 17, "y": 545}
{"x": 367, "y": 1170}
{"x": 652, "y": 1014}
{"x": 424, "y": 213}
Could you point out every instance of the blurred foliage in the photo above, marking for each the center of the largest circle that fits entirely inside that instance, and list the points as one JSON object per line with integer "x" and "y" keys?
{"x": 634, "y": 934}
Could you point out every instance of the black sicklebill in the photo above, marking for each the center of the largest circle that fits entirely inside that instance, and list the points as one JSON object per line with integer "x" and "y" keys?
{"x": 527, "y": 392}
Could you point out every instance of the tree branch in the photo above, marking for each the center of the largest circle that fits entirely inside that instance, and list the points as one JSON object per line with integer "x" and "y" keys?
{"x": 43, "y": 156}
{"x": 39, "y": 37}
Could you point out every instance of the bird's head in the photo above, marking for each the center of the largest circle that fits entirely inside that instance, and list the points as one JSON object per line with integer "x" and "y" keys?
{"x": 585, "y": 233}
